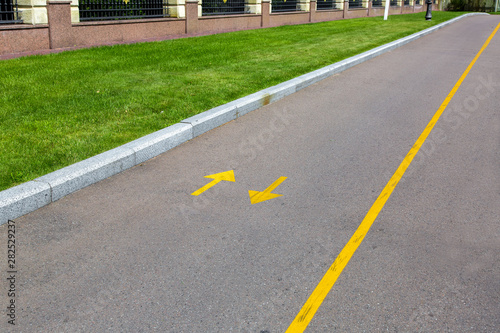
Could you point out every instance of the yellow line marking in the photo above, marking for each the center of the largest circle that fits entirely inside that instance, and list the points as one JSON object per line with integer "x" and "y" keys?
{"x": 256, "y": 196}
{"x": 217, "y": 177}
{"x": 314, "y": 301}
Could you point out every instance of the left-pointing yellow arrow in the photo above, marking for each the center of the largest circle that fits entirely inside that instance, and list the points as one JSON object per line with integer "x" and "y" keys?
{"x": 217, "y": 177}
{"x": 256, "y": 196}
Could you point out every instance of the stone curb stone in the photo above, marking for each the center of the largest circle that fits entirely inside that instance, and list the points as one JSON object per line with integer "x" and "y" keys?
{"x": 160, "y": 141}
{"x": 205, "y": 121}
{"x": 82, "y": 174}
{"x": 23, "y": 199}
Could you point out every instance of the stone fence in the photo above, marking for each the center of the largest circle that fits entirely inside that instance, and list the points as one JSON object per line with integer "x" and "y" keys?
{"x": 56, "y": 24}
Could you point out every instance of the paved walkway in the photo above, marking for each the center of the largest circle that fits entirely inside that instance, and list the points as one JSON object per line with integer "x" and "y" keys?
{"x": 138, "y": 252}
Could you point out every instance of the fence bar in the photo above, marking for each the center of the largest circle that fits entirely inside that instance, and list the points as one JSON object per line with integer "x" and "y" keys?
{"x": 9, "y": 12}
{"x": 330, "y": 4}
{"x": 223, "y": 7}
{"x": 96, "y": 10}
{"x": 285, "y": 6}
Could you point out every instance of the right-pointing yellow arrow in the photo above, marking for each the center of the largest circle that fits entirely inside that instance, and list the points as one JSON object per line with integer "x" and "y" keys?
{"x": 256, "y": 196}
{"x": 218, "y": 177}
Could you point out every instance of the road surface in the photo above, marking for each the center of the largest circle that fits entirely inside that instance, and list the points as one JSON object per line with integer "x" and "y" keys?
{"x": 139, "y": 253}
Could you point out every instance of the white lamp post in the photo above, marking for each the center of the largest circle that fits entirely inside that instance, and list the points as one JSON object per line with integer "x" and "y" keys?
{"x": 386, "y": 12}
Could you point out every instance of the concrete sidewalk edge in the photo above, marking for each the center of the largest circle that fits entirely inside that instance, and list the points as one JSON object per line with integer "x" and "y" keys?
{"x": 30, "y": 196}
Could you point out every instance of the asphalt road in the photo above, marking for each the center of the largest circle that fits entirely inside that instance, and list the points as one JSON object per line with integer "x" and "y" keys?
{"x": 138, "y": 253}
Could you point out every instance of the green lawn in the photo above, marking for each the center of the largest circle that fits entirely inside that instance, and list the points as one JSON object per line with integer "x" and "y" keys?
{"x": 59, "y": 109}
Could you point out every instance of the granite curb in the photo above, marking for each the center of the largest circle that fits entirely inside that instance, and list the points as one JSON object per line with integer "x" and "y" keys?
{"x": 30, "y": 196}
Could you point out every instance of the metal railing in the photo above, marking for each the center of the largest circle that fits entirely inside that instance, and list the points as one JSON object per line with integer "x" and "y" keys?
{"x": 9, "y": 13}
{"x": 357, "y": 4}
{"x": 222, "y": 7}
{"x": 329, "y": 4}
{"x": 285, "y": 6}
{"x": 394, "y": 3}
{"x": 406, "y": 2}
{"x": 98, "y": 10}
{"x": 470, "y": 6}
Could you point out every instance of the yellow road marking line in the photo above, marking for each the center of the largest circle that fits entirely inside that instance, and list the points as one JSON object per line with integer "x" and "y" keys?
{"x": 314, "y": 301}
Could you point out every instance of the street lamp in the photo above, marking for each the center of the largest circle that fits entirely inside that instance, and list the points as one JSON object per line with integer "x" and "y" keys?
{"x": 428, "y": 16}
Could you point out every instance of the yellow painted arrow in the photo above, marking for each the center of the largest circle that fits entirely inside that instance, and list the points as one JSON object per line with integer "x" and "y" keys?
{"x": 217, "y": 177}
{"x": 256, "y": 196}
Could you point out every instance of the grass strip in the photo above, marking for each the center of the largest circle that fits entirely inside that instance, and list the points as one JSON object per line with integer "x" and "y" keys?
{"x": 62, "y": 108}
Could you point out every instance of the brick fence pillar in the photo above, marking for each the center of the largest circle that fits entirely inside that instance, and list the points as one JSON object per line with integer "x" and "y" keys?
{"x": 266, "y": 8}
{"x": 312, "y": 11}
{"x": 346, "y": 8}
{"x": 191, "y": 16}
{"x": 59, "y": 19}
